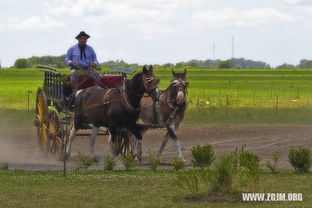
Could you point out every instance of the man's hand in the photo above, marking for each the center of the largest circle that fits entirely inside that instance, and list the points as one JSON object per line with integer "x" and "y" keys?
{"x": 93, "y": 64}
{"x": 73, "y": 63}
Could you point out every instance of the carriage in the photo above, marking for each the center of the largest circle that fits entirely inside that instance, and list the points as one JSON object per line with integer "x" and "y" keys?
{"x": 54, "y": 108}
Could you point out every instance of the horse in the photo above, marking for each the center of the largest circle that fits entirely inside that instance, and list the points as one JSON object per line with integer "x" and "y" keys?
{"x": 113, "y": 108}
{"x": 169, "y": 112}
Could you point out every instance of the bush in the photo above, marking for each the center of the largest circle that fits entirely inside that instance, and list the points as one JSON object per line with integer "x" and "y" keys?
{"x": 203, "y": 155}
{"x": 272, "y": 167}
{"x": 154, "y": 161}
{"x": 247, "y": 165}
{"x": 84, "y": 161}
{"x": 300, "y": 159}
{"x": 127, "y": 161}
{"x": 231, "y": 174}
{"x": 178, "y": 164}
{"x": 224, "y": 175}
{"x": 249, "y": 160}
{"x": 21, "y": 63}
{"x": 109, "y": 162}
{"x": 224, "y": 65}
{"x": 188, "y": 179}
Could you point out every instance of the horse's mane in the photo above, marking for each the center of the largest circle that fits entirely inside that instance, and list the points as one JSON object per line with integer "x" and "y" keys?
{"x": 137, "y": 80}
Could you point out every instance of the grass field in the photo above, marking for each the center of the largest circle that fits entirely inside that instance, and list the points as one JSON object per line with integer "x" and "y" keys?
{"x": 215, "y": 96}
{"x": 136, "y": 188}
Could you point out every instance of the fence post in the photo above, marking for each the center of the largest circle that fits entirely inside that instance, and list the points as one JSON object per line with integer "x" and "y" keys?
{"x": 271, "y": 89}
{"x": 28, "y": 92}
{"x": 237, "y": 98}
{"x": 276, "y": 105}
{"x": 254, "y": 99}
{"x": 226, "y": 106}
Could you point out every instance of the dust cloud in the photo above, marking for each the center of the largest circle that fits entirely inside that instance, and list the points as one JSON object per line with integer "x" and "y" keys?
{"x": 20, "y": 145}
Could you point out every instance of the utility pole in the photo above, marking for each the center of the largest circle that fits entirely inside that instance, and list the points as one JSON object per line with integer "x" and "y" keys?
{"x": 232, "y": 46}
{"x": 213, "y": 51}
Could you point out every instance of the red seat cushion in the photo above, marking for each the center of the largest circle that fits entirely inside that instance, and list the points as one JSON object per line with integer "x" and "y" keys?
{"x": 106, "y": 80}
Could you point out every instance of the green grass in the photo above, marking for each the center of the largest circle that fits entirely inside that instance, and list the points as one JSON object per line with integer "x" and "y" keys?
{"x": 252, "y": 96}
{"x": 136, "y": 188}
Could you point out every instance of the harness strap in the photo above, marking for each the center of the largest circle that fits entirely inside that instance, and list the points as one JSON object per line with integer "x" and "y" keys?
{"x": 127, "y": 105}
{"x": 105, "y": 101}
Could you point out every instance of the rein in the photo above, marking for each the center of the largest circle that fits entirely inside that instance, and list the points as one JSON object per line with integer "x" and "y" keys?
{"x": 125, "y": 102}
{"x": 127, "y": 105}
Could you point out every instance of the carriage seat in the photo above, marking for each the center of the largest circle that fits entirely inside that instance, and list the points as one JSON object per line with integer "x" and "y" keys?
{"x": 108, "y": 80}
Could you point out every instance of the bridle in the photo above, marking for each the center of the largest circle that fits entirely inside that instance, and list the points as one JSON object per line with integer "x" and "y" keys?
{"x": 177, "y": 82}
{"x": 125, "y": 102}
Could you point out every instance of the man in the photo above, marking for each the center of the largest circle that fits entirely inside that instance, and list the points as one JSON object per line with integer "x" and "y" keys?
{"x": 80, "y": 57}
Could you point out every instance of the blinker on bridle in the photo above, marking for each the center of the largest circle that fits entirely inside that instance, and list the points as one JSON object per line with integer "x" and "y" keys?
{"x": 149, "y": 79}
{"x": 177, "y": 82}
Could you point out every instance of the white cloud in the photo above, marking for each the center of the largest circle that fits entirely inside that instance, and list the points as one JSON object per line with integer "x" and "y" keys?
{"x": 33, "y": 22}
{"x": 299, "y": 1}
{"x": 149, "y": 20}
{"x": 85, "y": 7}
{"x": 248, "y": 18}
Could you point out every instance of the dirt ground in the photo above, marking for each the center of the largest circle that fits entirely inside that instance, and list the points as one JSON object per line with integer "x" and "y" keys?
{"x": 19, "y": 148}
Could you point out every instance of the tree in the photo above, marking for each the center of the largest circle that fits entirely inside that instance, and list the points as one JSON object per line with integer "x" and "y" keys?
{"x": 304, "y": 64}
{"x": 21, "y": 63}
{"x": 224, "y": 65}
{"x": 286, "y": 66}
{"x": 168, "y": 65}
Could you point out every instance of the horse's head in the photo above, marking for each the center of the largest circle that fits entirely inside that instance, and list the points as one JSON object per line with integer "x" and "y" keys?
{"x": 150, "y": 82}
{"x": 179, "y": 86}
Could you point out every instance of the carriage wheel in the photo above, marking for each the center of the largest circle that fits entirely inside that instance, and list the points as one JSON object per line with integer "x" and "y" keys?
{"x": 55, "y": 133}
{"x": 41, "y": 118}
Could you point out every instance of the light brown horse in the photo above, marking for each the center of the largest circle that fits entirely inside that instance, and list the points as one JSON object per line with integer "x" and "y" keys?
{"x": 169, "y": 111}
{"x": 113, "y": 108}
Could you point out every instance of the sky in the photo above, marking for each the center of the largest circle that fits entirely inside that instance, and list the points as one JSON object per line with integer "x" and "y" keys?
{"x": 159, "y": 31}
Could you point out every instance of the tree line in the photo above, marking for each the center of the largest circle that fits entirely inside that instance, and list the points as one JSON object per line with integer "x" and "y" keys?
{"x": 239, "y": 63}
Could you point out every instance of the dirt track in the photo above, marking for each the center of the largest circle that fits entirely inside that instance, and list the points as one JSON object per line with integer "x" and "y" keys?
{"x": 19, "y": 148}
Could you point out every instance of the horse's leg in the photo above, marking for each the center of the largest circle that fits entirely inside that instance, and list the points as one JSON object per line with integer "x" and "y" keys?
{"x": 171, "y": 131}
{"x": 95, "y": 131}
{"x": 71, "y": 137}
{"x": 138, "y": 147}
{"x": 112, "y": 139}
{"x": 163, "y": 144}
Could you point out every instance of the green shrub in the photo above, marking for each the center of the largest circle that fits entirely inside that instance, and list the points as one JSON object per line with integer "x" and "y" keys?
{"x": 247, "y": 165}
{"x": 272, "y": 166}
{"x": 188, "y": 179}
{"x": 300, "y": 159}
{"x": 84, "y": 161}
{"x": 127, "y": 161}
{"x": 109, "y": 162}
{"x": 223, "y": 179}
{"x": 177, "y": 163}
{"x": 239, "y": 170}
{"x": 154, "y": 161}
{"x": 203, "y": 155}
{"x": 249, "y": 160}
{"x": 21, "y": 63}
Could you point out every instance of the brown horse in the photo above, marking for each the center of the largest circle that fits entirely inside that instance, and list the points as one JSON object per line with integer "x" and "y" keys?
{"x": 113, "y": 108}
{"x": 169, "y": 111}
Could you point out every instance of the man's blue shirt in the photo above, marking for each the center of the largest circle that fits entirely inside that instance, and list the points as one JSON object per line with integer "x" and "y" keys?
{"x": 73, "y": 54}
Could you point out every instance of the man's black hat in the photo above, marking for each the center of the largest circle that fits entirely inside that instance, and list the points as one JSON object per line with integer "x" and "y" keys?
{"x": 82, "y": 33}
